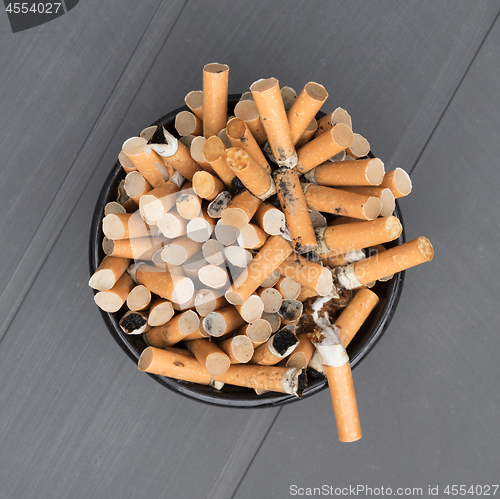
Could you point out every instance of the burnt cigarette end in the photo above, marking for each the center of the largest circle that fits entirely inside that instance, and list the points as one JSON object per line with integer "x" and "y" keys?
{"x": 237, "y": 185}
{"x": 283, "y": 340}
{"x": 313, "y": 374}
{"x": 132, "y": 322}
{"x": 158, "y": 137}
{"x": 290, "y": 310}
{"x": 301, "y": 383}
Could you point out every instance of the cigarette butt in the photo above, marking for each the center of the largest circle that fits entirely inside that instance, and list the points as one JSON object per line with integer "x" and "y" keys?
{"x": 355, "y": 314}
{"x": 139, "y": 298}
{"x": 136, "y": 186}
{"x": 271, "y": 298}
{"x": 304, "y": 109}
{"x": 140, "y": 248}
{"x": 114, "y": 208}
{"x": 213, "y": 277}
{"x": 274, "y": 321}
{"x": 270, "y": 219}
{"x": 225, "y": 234}
{"x": 213, "y": 251}
{"x": 158, "y": 201}
{"x": 288, "y": 95}
{"x": 215, "y": 88}
{"x": 160, "y": 312}
{"x": 360, "y": 146}
{"x": 241, "y": 209}
{"x": 192, "y": 265}
{"x": 252, "y": 237}
{"x": 239, "y": 349}
{"x": 375, "y": 250}
{"x": 344, "y": 402}
{"x": 259, "y": 331}
{"x": 308, "y": 134}
{"x": 302, "y": 354}
{"x": 196, "y": 146}
{"x": 288, "y": 288}
{"x": 247, "y": 111}
{"x": 279, "y": 346}
{"x": 269, "y": 102}
{"x": 306, "y": 293}
{"x": 172, "y": 225}
{"x": 225, "y": 139}
{"x": 310, "y": 274}
{"x": 290, "y": 311}
{"x": 383, "y": 193}
{"x": 270, "y": 281}
{"x": 207, "y": 300}
{"x": 251, "y": 309}
{"x": 174, "y": 365}
{"x": 210, "y": 356}
{"x": 188, "y": 305}
{"x": 179, "y": 250}
{"x": 109, "y": 271}
{"x": 223, "y": 321}
{"x": 180, "y": 159}
{"x": 113, "y": 299}
{"x": 337, "y": 116}
{"x": 255, "y": 178}
{"x": 206, "y": 185}
{"x": 187, "y": 123}
{"x": 194, "y": 101}
{"x": 126, "y": 163}
{"x": 200, "y": 229}
{"x": 125, "y": 226}
{"x": 237, "y": 256}
{"x": 173, "y": 287}
{"x": 325, "y": 146}
{"x": 357, "y": 235}
{"x": 389, "y": 262}
{"x": 368, "y": 171}
{"x": 398, "y": 181}
{"x": 317, "y": 219}
{"x": 134, "y": 322}
{"x": 269, "y": 257}
{"x": 149, "y": 164}
{"x": 336, "y": 258}
{"x": 124, "y": 199}
{"x": 216, "y": 207}
{"x": 294, "y": 206}
{"x": 340, "y": 202}
{"x": 187, "y": 202}
{"x": 239, "y": 135}
{"x": 176, "y": 329}
{"x": 246, "y": 96}
{"x": 213, "y": 153}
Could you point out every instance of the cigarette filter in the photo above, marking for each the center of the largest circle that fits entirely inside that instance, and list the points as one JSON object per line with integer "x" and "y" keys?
{"x": 125, "y": 226}
{"x": 200, "y": 229}
{"x": 270, "y": 219}
{"x": 385, "y": 195}
{"x": 302, "y": 354}
{"x": 360, "y": 147}
{"x": 398, "y": 181}
{"x": 213, "y": 276}
{"x": 207, "y": 186}
{"x": 194, "y": 100}
{"x": 210, "y": 356}
{"x": 257, "y": 331}
{"x": 215, "y": 87}
{"x": 251, "y": 309}
{"x": 288, "y": 288}
{"x": 207, "y": 300}
{"x": 279, "y": 346}
{"x": 134, "y": 322}
{"x": 213, "y": 153}
{"x": 310, "y": 274}
{"x": 109, "y": 271}
{"x": 271, "y": 298}
{"x": 252, "y": 237}
{"x": 247, "y": 111}
{"x": 126, "y": 163}
{"x": 112, "y": 299}
{"x": 157, "y": 202}
{"x": 188, "y": 204}
{"x": 308, "y": 134}
{"x": 139, "y": 298}
{"x": 241, "y": 209}
{"x": 187, "y": 123}
{"x": 337, "y": 116}
{"x": 172, "y": 225}
{"x": 140, "y": 248}
{"x": 288, "y": 94}
{"x": 368, "y": 171}
{"x": 290, "y": 312}
{"x": 274, "y": 321}
{"x": 239, "y": 349}
{"x": 179, "y": 250}
{"x": 176, "y": 329}
{"x": 135, "y": 186}
{"x": 223, "y": 321}
{"x": 160, "y": 312}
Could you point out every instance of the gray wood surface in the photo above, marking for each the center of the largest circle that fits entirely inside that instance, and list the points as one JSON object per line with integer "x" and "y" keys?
{"x": 76, "y": 417}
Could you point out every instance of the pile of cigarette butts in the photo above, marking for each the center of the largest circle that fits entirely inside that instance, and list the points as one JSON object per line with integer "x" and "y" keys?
{"x": 245, "y": 250}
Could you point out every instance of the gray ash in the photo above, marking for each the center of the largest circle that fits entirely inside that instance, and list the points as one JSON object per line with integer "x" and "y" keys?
{"x": 283, "y": 340}
{"x": 132, "y": 322}
{"x": 158, "y": 137}
{"x": 301, "y": 383}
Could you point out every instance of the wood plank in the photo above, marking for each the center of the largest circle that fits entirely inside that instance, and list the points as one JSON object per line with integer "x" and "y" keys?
{"x": 43, "y": 182}
{"x": 428, "y": 392}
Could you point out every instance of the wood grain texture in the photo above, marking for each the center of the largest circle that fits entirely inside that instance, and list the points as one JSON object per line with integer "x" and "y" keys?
{"x": 427, "y": 394}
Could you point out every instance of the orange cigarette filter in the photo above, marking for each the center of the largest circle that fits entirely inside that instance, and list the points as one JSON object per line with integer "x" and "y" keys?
{"x": 353, "y": 236}
{"x": 158, "y": 201}
{"x": 248, "y": 112}
{"x": 252, "y": 237}
{"x": 125, "y": 226}
{"x": 239, "y": 349}
{"x": 113, "y": 299}
{"x": 210, "y": 356}
{"x": 255, "y": 178}
{"x": 294, "y": 206}
{"x": 187, "y": 202}
{"x": 206, "y": 185}
{"x": 388, "y": 262}
{"x": 398, "y": 181}
{"x": 241, "y": 209}
{"x": 240, "y": 136}
{"x": 140, "y": 248}
{"x": 270, "y": 219}
{"x": 323, "y": 147}
{"x": 355, "y": 314}
{"x": 336, "y": 258}
{"x": 135, "y": 186}
{"x": 215, "y": 90}
{"x": 337, "y": 116}
{"x": 196, "y": 149}
{"x": 213, "y": 152}
{"x": 183, "y": 162}
{"x": 304, "y": 109}
{"x": 360, "y": 147}
{"x": 302, "y": 354}
{"x": 109, "y": 271}
{"x": 160, "y": 312}
{"x": 148, "y": 162}
{"x": 288, "y": 288}
{"x": 176, "y": 329}
{"x": 173, "y": 287}
{"x": 368, "y": 171}
{"x": 339, "y": 202}
{"x": 194, "y": 100}
{"x": 269, "y": 257}
{"x": 385, "y": 195}
{"x": 279, "y": 346}
{"x": 267, "y": 97}
{"x": 223, "y": 321}
{"x": 308, "y": 134}
{"x": 310, "y": 274}
{"x": 126, "y": 163}
{"x": 187, "y": 123}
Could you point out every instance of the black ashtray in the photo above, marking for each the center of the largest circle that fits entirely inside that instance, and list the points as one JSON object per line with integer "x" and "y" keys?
{"x": 133, "y": 345}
